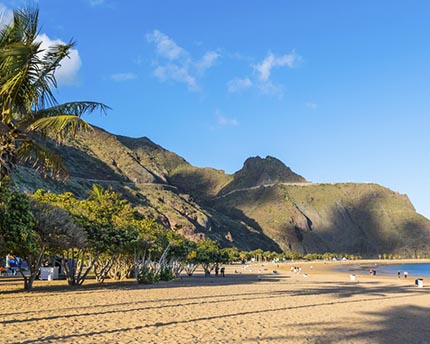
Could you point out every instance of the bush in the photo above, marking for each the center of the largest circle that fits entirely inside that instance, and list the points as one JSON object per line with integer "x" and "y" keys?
{"x": 147, "y": 276}
{"x": 166, "y": 274}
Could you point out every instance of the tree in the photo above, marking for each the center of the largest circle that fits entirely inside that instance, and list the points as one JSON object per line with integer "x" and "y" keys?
{"x": 28, "y": 229}
{"x": 55, "y": 231}
{"x": 117, "y": 236}
{"x": 232, "y": 254}
{"x": 29, "y": 111}
{"x": 106, "y": 221}
{"x": 208, "y": 254}
{"x": 16, "y": 221}
{"x": 257, "y": 254}
{"x": 182, "y": 254}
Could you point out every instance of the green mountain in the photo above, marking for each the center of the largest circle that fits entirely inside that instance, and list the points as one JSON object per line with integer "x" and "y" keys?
{"x": 264, "y": 205}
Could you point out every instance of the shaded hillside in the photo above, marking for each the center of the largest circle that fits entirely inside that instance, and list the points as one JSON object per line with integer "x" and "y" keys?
{"x": 264, "y": 205}
{"x": 364, "y": 219}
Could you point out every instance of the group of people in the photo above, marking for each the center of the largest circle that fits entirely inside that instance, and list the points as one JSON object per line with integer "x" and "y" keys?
{"x": 12, "y": 265}
{"x": 218, "y": 270}
{"x": 405, "y": 274}
{"x": 296, "y": 269}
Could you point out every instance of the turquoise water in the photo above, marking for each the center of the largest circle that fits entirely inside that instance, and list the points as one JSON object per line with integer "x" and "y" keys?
{"x": 412, "y": 269}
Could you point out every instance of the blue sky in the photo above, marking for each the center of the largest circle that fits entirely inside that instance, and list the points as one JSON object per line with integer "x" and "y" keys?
{"x": 338, "y": 90}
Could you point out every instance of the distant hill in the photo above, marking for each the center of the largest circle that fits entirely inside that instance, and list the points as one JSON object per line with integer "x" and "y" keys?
{"x": 264, "y": 205}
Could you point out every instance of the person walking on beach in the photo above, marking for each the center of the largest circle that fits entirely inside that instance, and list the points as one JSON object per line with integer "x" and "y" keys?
{"x": 223, "y": 271}
{"x": 216, "y": 270}
{"x": 405, "y": 274}
{"x": 398, "y": 274}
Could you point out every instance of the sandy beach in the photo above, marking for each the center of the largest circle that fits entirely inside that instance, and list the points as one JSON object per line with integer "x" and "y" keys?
{"x": 256, "y": 306}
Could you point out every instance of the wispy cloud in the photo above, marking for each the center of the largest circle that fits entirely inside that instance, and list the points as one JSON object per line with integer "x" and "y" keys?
{"x": 123, "y": 76}
{"x": 261, "y": 79}
{"x": 312, "y": 106}
{"x": 207, "y": 61}
{"x": 224, "y": 121}
{"x": 165, "y": 46}
{"x": 176, "y": 73}
{"x": 238, "y": 85}
{"x": 264, "y": 68}
{"x": 67, "y": 73}
{"x": 176, "y": 64}
{"x": 270, "y": 88}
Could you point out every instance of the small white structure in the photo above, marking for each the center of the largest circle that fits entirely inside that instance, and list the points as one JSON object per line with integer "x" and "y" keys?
{"x": 49, "y": 273}
{"x": 352, "y": 277}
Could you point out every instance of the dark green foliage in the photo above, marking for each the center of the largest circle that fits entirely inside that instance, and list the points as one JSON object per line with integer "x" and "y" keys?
{"x": 147, "y": 276}
{"x": 166, "y": 274}
{"x": 17, "y": 235}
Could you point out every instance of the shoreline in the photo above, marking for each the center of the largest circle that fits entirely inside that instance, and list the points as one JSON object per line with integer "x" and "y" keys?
{"x": 358, "y": 267}
{"x": 270, "y": 304}
{"x": 340, "y": 269}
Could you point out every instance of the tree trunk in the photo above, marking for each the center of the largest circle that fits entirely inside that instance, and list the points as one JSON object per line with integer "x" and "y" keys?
{"x": 34, "y": 267}
{"x": 73, "y": 267}
{"x": 102, "y": 268}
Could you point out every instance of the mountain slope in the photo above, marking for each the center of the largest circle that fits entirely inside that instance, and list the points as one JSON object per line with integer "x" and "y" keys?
{"x": 364, "y": 219}
{"x": 264, "y": 205}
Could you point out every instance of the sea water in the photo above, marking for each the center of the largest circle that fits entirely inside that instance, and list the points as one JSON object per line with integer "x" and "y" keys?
{"x": 384, "y": 269}
{"x": 416, "y": 270}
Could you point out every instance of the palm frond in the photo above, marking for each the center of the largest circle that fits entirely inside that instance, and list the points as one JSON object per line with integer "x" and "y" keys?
{"x": 26, "y": 20}
{"x": 49, "y": 63}
{"x": 73, "y": 108}
{"x": 59, "y": 127}
{"x": 41, "y": 158}
{"x": 20, "y": 69}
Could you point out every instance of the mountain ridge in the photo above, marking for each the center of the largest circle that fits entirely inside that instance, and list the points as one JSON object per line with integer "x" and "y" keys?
{"x": 263, "y": 205}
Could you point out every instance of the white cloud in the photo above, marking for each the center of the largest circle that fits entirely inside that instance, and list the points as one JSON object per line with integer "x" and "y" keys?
{"x": 176, "y": 64}
{"x": 224, "y": 121}
{"x": 67, "y": 73}
{"x": 176, "y": 73}
{"x": 311, "y": 106}
{"x": 261, "y": 79}
{"x": 265, "y": 67}
{"x": 166, "y": 47}
{"x": 207, "y": 61}
{"x": 123, "y": 76}
{"x": 238, "y": 85}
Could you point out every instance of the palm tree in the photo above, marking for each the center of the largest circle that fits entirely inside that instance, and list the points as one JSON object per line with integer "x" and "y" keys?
{"x": 29, "y": 112}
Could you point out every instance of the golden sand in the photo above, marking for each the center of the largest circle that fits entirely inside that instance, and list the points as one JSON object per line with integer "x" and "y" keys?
{"x": 256, "y": 306}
